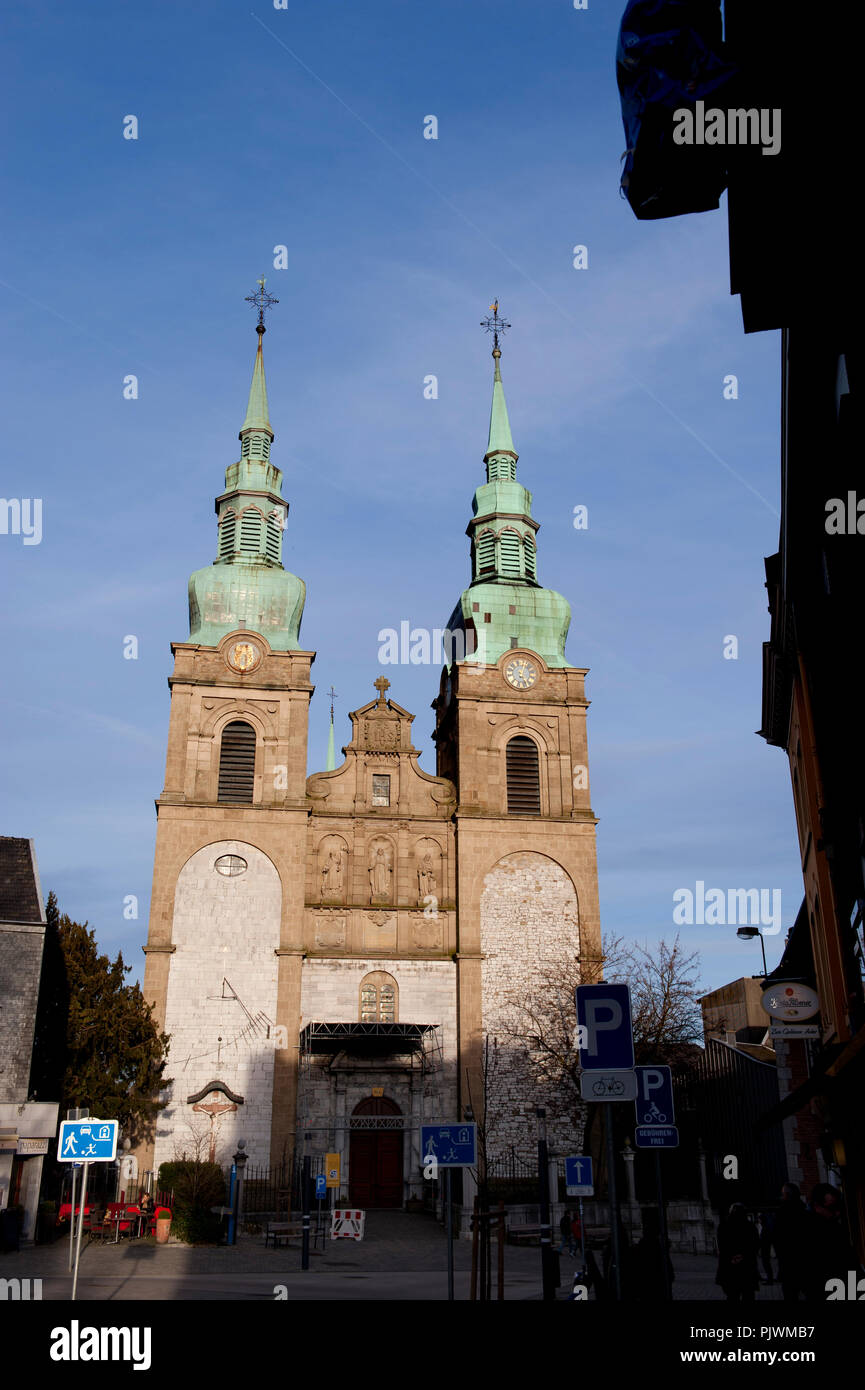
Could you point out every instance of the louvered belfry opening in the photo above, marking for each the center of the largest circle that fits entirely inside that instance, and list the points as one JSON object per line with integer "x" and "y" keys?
{"x": 237, "y": 763}
{"x": 524, "y": 781}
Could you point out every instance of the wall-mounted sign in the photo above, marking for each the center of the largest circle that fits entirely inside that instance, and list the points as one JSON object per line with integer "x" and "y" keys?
{"x": 789, "y": 1002}
{"x": 32, "y": 1146}
{"x": 794, "y": 1030}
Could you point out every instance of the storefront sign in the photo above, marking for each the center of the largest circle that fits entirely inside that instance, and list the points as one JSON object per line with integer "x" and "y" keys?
{"x": 789, "y": 1002}
{"x": 32, "y": 1146}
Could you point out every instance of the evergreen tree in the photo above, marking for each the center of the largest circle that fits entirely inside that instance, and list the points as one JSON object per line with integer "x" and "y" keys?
{"x": 96, "y": 1044}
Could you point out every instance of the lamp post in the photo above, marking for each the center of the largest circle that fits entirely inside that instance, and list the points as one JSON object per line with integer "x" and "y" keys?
{"x": 240, "y": 1163}
{"x": 748, "y": 934}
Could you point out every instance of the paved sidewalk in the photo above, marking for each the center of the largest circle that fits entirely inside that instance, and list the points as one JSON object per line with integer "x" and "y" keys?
{"x": 403, "y": 1256}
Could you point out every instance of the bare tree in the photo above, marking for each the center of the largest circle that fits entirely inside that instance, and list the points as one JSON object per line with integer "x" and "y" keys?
{"x": 666, "y": 1012}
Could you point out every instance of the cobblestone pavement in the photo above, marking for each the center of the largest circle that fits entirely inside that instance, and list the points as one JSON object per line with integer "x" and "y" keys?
{"x": 402, "y": 1257}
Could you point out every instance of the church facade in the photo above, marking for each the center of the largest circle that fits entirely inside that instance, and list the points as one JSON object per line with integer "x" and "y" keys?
{"x": 336, "y": 956}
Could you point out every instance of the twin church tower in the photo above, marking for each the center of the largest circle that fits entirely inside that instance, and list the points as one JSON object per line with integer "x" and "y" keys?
{"x": 339, "y": 958}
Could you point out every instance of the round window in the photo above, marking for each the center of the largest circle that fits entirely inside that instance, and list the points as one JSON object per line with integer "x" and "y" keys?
{"x": 230, "y": 865}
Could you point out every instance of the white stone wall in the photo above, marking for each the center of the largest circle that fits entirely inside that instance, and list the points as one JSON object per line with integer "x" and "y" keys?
{"x": 224, "y": 927}
{"x": 330, "y": 994}
{"x": 529, "y": 916}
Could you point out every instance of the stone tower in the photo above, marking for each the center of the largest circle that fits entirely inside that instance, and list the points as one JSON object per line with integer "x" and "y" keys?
{"x": 224, "y": 944}
{"x": 511, "y": 735}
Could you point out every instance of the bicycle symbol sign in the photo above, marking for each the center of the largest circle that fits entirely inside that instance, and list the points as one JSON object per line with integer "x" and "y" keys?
{"x": 654, "y": 1096}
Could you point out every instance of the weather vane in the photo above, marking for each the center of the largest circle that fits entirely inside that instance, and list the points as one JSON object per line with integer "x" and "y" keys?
{"x": 495, "y": 325}
{"x": 262, "y": 300}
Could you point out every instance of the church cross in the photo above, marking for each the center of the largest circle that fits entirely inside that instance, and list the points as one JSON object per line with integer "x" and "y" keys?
{"x": 381, "y": 686}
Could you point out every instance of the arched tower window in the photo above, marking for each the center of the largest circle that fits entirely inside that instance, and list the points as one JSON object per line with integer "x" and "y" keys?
{"x": 531, "y": 564}
{"x": 523, "y": 775}
{"x": 486, "y": 552}
{"x": 250, "y": 530}
{"x": 509, "y": 555}
{"x": 274, "y": 534}
{"x": 379, "y": 998}
{"x": 227, "y": 532}
{"x": 237, "y": 763}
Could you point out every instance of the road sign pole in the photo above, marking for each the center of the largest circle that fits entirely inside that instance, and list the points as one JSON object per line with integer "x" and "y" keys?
{"x": 582, "y": 1232}
{"x": 304, "y": 1258}
{"x": 72, "y": 1226}
{"x": 613, "y": 1200}
{"x": 449, "y": 1220}
{"x": 548, "y": 1282}
{"x": 80, "y": 1224}
{"x": 662, "y": 1229}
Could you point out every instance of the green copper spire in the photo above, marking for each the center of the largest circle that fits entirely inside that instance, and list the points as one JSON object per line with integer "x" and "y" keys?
{"x": 257, "y": 417}
{"x": 505, "y": 606}
{"x": 500, "y": 430}
{"x": 247, "y": 586}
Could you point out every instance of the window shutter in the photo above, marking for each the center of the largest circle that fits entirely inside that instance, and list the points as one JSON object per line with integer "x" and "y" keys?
{"x": 273, "y": 536}
{"x": 524, "y": 783}
{"x": 509, "y": 551}
{"x": 529, "y": 544}
{"x": 237, "y": 763}
{"x": 227, "y": 530}
{"x": 250, "y": 530}
{"x": 486, "y": 552}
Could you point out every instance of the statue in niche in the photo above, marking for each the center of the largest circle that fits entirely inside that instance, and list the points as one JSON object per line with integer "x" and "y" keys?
{"x": 427, "y": 881}
{"x": 333, "y": 873}
{"x": 380, "y": 876}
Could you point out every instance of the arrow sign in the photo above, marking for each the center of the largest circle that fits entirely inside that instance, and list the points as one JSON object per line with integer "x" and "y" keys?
{"x": 579, "y": 1180}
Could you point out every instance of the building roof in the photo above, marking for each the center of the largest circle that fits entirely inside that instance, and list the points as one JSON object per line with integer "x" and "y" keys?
{"x": 20, "y": 890}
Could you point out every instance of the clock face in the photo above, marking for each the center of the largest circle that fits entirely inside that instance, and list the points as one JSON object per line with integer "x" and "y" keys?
{"x": 521, "y": 673}
{"x": 243, "y": 656}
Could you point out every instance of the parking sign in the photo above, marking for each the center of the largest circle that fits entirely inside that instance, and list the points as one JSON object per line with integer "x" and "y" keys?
{"x": 654, "y": 1103}
{"x": 604, "y": 1034}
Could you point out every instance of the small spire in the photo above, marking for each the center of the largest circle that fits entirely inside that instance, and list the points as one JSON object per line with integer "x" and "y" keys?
{"x": 257, "y": 415}
{"x": 500, "y": 441}
{"x": 331, "y": 755}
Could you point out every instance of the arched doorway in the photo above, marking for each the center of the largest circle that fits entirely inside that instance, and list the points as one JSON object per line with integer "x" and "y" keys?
{"x": 375, "y": 1158}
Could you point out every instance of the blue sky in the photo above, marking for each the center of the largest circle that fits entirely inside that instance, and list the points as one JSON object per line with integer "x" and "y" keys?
{"x": 304, "y": 127}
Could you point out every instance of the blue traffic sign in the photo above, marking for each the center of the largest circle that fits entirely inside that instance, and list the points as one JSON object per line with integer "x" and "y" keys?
{"x": 656, "y": 1137}
{"x": 88, "y": 1141}
{"x": 579, "y": 1180}
{"x": 452, "y": 1146}
{"x": 604, "y": 1035}
{"x": 320, "y": 1187}
{"x": 654, "y": 1103}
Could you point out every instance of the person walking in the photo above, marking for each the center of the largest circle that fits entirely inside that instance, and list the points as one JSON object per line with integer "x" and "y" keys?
{"x": 565, "y": 1230}
{"x": 828, "y": 1252}
{"x": 790, "y": 1239}
{"x": 738, "y": 1245}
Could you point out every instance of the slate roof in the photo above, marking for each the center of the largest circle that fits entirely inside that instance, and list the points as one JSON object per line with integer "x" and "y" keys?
{"x": 20, "y": 893}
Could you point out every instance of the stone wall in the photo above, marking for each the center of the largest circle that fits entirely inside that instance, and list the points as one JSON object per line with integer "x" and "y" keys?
{"x": 529, "y": 918}
{"x": 225, "y": 929}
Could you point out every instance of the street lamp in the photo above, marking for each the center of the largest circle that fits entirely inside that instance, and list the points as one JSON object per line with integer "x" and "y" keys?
{"x": 748, "y": 934}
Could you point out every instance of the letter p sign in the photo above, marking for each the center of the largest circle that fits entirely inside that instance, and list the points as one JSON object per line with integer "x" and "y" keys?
{"x": 604, "y": 1015}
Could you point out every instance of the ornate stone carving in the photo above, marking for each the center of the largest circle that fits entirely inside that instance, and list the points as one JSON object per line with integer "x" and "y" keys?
{"x": 428, "y": 861}
{"x": 330, "y": 931}
{"x": 426, "y": 933}
{"x": 380, "y": 732}
{"x": 379, "y": 932}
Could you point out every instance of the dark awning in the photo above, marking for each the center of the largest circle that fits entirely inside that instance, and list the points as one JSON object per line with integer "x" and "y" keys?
{"x": 367, "y": 1039}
